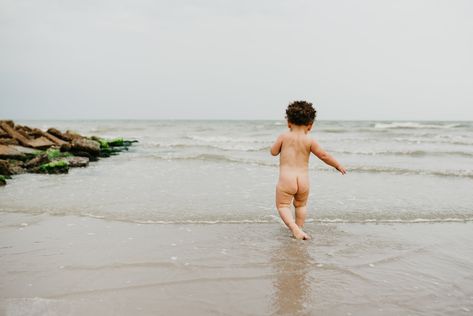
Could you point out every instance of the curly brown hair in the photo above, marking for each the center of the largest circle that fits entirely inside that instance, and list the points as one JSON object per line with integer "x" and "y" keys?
{"x": 301, "y": 113}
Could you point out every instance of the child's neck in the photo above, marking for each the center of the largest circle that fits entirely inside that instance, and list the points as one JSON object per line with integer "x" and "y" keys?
{"x": 299, "y": 129}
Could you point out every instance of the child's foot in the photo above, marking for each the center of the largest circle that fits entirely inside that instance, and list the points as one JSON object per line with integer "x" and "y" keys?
{"x": 300, "y": 234}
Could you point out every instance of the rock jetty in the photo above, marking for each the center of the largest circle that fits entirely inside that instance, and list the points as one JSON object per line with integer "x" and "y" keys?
{"x": 25, "y": 149}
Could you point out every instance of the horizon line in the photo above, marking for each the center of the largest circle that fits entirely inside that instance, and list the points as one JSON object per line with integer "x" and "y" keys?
{"x": 224, "y": 119}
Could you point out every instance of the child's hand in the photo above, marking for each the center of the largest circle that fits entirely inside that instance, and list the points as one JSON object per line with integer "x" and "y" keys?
{"x": 341, "y": 169}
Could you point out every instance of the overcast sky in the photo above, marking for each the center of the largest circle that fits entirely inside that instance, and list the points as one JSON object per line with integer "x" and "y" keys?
{"x": 241, "y": 59}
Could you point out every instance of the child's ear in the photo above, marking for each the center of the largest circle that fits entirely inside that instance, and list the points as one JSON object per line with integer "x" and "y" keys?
{"x": 289, "y": 125}
{"x": 309, "y": 127}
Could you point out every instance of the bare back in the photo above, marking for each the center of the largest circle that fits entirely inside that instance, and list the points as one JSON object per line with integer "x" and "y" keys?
{"x": 295, "y": 151}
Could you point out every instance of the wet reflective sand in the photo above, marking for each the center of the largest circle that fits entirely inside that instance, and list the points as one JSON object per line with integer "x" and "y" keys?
{"x": 68, "y": 265}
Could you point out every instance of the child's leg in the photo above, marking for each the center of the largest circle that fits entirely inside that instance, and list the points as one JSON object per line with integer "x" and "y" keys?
{"x": 300, "y": 199}
{"x": 300, "y": 204}
{"x": 300, "y": 215}
{"x": 283, "y": 202}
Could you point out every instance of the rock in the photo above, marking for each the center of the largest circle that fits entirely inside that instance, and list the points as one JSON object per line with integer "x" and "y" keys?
{"x": 84, "y": 154}
{"x": 3, "y": 134}
{"x": 105, "y": 152}
{"x": 24, "y": 139}
{"x": 8, "y": 141}
{"x": 24, "y": 128}
{"x": 27, "y": 151}
{"x": 2, "y": 181}
{"x": 5, "y": 168}
{"x": 21, "y": 130}
{"x": 75, "y": 162}
{"x": 72, "y": 135}
{"x": 36, "y": 132}
{"x": 41, "y": 143}
{"x": 14, "y": 134}
{"x": 38, "y": 160}
{"x": 9, "y": 152}
{"x": 54, "y": 167}
{"x": 16, "y": 166}
{"x": 65, "y": 147}
{"x": 8, "y": 122}
{"x": 55, "y": 132}
{"x": 54, "y": 139}
{"x": 83, "y": 144}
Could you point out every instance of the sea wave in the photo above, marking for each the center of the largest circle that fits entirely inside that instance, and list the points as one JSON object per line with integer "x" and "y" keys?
{"x": 226, "y": 139}
{"x": 219, "y": 146}
{"x": 380, "y": 218}
{"x": 461, "y": 173}
{"x": 411, "y": 153}
{"x": 216, "y": 157}
{"x": 318, "y": 221}
{"x": 443, "y": 139}
{"x": 415, "y": 125}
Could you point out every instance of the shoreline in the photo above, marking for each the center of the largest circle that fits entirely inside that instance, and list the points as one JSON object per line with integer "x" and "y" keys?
{"x": 272, "y": 220}
{"x": 65, "y": 264}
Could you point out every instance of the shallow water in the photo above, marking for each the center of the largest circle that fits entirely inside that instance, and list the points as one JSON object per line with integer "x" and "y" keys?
{"x": 221, "y": 171}
{"x": 68, "y": 265}
{"x": 184, "y": 223}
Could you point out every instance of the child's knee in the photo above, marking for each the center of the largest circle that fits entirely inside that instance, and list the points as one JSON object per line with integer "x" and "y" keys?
{"x": 283, "y": 205}
{"x": 299, "y": 203}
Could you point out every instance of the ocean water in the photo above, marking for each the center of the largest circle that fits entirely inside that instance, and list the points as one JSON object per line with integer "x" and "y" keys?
{"x": 222, "y": 172}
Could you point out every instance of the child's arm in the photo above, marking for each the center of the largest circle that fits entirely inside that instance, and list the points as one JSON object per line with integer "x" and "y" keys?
{"x": 276, "y": 148}
{"x": 326, "y": 157}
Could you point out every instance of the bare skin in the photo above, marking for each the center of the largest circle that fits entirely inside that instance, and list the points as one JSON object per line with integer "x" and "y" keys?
{"x": 294, "y": 148}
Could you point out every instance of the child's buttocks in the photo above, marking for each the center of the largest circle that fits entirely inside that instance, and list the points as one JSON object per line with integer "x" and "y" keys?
{"x": 293, "y": 180}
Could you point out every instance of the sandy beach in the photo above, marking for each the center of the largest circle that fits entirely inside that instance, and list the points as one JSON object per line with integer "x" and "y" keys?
{"x": 72, "y": 265}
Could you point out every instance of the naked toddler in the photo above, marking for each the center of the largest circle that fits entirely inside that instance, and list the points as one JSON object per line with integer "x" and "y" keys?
{"x": 294, "y": 147}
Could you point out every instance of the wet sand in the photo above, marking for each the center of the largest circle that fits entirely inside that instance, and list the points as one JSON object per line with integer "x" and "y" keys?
{"x": 69, "y": 265}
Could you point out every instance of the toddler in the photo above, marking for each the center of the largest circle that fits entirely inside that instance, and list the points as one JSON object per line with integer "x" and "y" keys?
{"x": 294, "y": 147}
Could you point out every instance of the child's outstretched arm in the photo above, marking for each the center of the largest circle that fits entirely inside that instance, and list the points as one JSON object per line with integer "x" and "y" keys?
{"x": 326, "y": 157}
{"x": 276, "y": 148}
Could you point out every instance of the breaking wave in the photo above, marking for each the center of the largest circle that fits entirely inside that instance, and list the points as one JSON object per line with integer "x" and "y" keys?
{"x": 462, "y": 173}
{"x": 411, "y": 153}
{"x": 415, "y": 125}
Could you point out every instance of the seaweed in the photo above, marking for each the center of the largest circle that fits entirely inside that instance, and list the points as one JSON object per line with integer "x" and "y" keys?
{"x": 116, "y": 142}
{"x": 56, "y": 153}
{"x": 54, "y": 167}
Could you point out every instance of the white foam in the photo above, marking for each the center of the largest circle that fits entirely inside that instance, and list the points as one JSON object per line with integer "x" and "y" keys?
{"x": 413, "y": 125}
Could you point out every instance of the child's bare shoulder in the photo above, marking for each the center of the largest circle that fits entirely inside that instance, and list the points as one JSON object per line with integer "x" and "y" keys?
{"x": 283, "y": 136}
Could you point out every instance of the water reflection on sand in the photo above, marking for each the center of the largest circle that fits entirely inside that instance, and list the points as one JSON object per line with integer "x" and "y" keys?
{"x": 292, "y": 263}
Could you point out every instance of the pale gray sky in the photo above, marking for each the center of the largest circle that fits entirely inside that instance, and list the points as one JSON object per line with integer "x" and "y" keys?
{"x": 245, "y": 59}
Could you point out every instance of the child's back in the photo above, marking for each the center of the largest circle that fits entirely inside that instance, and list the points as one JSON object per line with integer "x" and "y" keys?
{"x": 294, "y": 163}
{"x": 294, "y": 148}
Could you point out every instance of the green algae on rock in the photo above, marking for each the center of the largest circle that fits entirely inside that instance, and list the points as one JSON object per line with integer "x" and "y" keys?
{"x": 54, "y": 167}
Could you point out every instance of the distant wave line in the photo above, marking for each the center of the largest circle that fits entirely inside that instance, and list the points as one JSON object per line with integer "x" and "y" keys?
{"x": 241, "y": 147}
{"x": 412, "y": 153}
{"x": 416, "y": 125}
{"x": 311, "y": 220}
{"x": 370, "y": 169}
